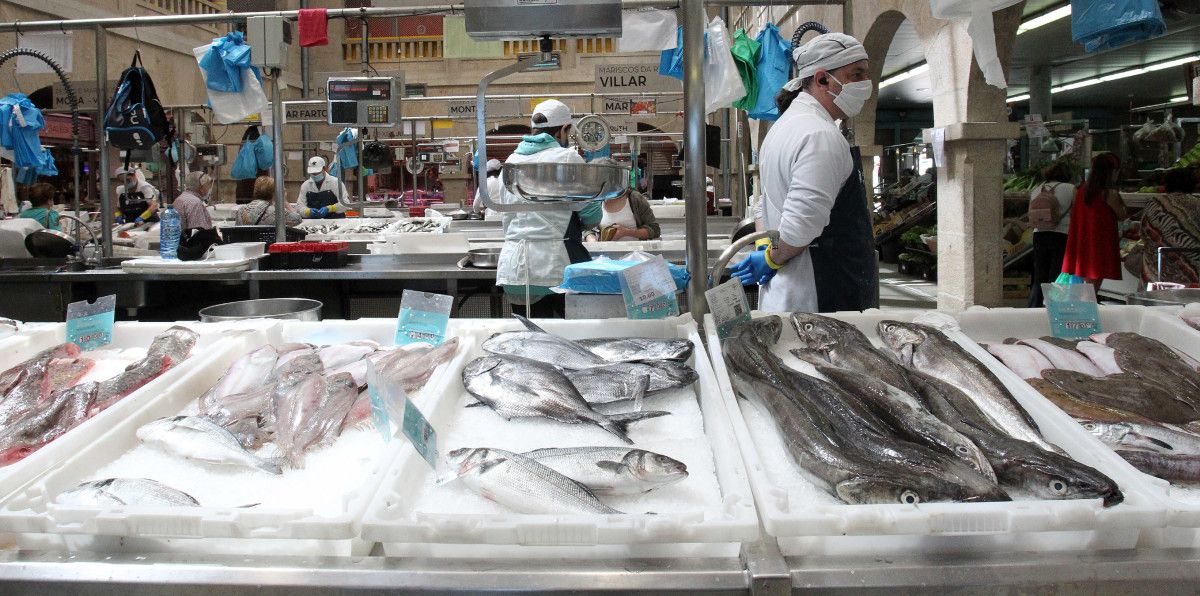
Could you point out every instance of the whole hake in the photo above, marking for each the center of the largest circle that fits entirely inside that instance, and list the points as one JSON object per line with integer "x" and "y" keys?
{"x": 845, "y": 346}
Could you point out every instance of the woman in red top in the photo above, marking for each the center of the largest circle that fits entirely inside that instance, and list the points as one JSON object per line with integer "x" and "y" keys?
{"x": 1093, "y": 241}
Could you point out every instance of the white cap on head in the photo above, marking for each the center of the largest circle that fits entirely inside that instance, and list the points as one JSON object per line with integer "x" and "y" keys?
{"x": 826, "y": 51}
{"x": 494, "y": 165}
{"x": 556, "y": 112}
{"x": 316, "y": 163}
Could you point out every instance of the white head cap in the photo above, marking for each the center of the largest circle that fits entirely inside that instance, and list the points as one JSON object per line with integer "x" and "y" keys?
{"x": 556, "y": 112}
{"x": 826, "y": 51}
{"x": 316, "y": 163}
{"x": 494, "y": 165}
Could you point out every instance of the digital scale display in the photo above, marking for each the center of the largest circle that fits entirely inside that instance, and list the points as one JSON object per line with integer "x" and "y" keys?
{"x": 363, "y": 101}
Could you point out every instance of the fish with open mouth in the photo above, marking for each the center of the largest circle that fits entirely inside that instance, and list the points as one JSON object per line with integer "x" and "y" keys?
{"x": 522, "y": 484}
{"x": 612, "y": 470}
{"x": 845, "y": 346}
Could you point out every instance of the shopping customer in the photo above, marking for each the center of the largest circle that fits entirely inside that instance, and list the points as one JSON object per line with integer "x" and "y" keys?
{"x": 1173, "y": 220}
{"x": 1050, "y": 245}
{"x": 261, "y": 210}
{"x": 538, "y": 245}
{"x": 629, "y": 216}
{"x": 1093, "y": 242}
{"x": 41, "y": 210}
{"x": 192, "y": 203}
{"x": 824, "y": 259}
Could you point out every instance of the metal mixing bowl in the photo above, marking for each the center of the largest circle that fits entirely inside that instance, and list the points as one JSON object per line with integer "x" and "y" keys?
{"x": 301, "y": 309}
{"x": 485, "y": 258}
{"x": 566, "y": 181}
{"x": 1165, "y": 297}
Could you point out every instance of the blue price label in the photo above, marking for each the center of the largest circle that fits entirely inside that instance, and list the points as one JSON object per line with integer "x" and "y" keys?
{"x": 649, "y": 291}
{"x": 1072, "y": 309}
{"x": 418, "y": 430}
{"x": 90, "y": 325}
{"x": 423, "y": 318}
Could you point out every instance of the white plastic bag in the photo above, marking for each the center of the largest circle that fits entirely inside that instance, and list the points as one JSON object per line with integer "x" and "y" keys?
{"x": 978, "y": 14}
{"x": 647, "y": 30}
{"x": 234, "y": 107}
{"x": 722, "y": 83}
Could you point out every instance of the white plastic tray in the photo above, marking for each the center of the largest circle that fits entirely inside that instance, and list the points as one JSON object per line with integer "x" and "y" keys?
{"x": 808, "y": 521}
{"x": 262, "y": 529}
{"x": 708, "y": 514}
{"x": 1159, "y": 322}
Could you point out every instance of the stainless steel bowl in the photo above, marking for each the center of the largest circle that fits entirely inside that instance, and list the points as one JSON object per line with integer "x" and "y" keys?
{"x": 301, "y": 309}
{"x": 50, "y": 244}
{"x": 484, "y": 258}
{"x": 1165, "y": 297}
{"x": 566, "y": 181}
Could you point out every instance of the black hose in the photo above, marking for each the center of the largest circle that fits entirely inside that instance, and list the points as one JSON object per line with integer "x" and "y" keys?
{"x": 62, "y": 75}
{"x": 805, "y": 28}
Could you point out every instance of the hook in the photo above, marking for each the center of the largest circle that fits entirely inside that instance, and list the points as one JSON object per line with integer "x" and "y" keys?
{"x": 137, "y": 34}
{"x": 62, "y": 28}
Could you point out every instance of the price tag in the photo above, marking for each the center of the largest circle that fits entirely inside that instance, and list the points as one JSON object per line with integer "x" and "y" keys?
{"x": 423, "y": 318}
{"x": 649, "y": 290}
{"x": 418, "y": 430}
{"x": 90, "y": 325}
{"x": 1073, "y": 311}
{"x": 728, "y": 305}
{"x": 389, "y": 402}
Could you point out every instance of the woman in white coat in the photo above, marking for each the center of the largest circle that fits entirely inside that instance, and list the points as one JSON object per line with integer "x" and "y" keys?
{"x": 813, "y": 189}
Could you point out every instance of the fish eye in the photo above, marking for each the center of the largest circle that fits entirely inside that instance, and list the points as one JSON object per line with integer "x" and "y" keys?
{"x": 962, "y": 450}
{"x": 1089, "y": 426}
{"x": 1058, "y": 486}
{"x": 909, "y": 497}
{"x": 808, "y": 326}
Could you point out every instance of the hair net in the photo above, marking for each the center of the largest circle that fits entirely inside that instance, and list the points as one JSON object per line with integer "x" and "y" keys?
{"x": 826, "y": 51}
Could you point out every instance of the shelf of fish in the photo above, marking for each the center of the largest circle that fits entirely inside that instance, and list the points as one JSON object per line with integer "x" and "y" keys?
{"x": 1133, "y": 387}
{"x": 553, "y": 445}
{"x": 264, "y": 447}
{"x": 58, "y": 399}
{"x": 869, "y": 433}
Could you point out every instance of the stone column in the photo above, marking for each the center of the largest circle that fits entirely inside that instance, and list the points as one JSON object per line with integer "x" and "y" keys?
{"x": 1039, "y": 91}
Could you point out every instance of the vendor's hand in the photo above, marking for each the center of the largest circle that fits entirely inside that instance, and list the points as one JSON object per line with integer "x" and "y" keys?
{"x": 753, "y": 269}
{"x": 120, "y": 219}
{"x": 323, "y": 212}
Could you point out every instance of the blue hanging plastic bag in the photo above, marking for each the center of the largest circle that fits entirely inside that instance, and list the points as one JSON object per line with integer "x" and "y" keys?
{"x": 264, "y": 152}
{"x": 773, "y": 69}
{"x": 670, "y": 62}
{"x": 224, "y": 62}
{"x": 1101, "y": 24}
{"x": 245, "y": 166}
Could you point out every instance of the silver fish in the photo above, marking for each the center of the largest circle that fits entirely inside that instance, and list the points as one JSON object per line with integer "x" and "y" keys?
{"x": 14, "y": 375}
{"x": 543, "y": 347}
{"x": 522, "y": 484}
{"x": 243, "y": 375}
{"x": 65, "y": 410}
{"x": 845, "y": 346}
{"x": 517, "y": 388}
{"x": 199, "y": 439}
{"x": 116, "y": 492}
{"x": 138, "y": 374}
{"x": 639, "y": 349}
{"x": 412, "y": 367}
{"x": 612, "y": 470}
{"x": 1149, "y": 437}
{"x": 176, "y": 343}
{"x": 620, "y": 381}
{"x": 309, "y": 411}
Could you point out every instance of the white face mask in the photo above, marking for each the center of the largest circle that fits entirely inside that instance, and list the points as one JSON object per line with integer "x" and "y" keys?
{"x": 850, "y": 101}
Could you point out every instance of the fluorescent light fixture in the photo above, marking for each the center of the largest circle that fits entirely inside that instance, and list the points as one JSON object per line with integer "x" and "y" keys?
{"x": 1018, "y": 98}
{"x": 1113, "y": 76}
{"x": 1180, "y": 99}
{"x": 1175, "y": 62}
{"x": 1045, "y": 18}
{"x": 919, "y": 69}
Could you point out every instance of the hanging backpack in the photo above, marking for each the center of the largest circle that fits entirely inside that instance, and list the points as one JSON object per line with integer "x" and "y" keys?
{"x": 135, "y": 118}
{"x": 1043, "y": 209}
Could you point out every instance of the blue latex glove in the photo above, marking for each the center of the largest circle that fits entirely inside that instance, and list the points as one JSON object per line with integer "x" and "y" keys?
{"x": 323, "y": 212}
{"x": 138, "y": 220}
{"x": 753, "y": 269}
{"x": 120, "y": 219}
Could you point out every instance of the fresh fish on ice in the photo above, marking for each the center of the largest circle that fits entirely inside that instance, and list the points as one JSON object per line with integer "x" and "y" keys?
{"x": 1063, "y": 358}
{"x": 1175, "y": 468}
{"x": 612, "y": 470}
{"x": 521, "y": 484}
{"x": 199, "y": 439}
{"x": 543, "y": 347}
{"x": 662, "y": 374}
{"x": 1151, "y": 359}
{"x": 246, "y": 373}
{"x": 1147, "y": 437}
{"x": 304, "y": 359}
{"x": 1126, "y": 392}
{"x": 1027, "y": 362}
{"x": 143, "y": 371}
{"x": 32, "y": 388}
{"x": 412, "y": 367}
{"x": 517, "y": 388}
{"x": 1104, "y": 357}
{"x": 309, "y": 410}
{"x": 116, "y": 492}
{"x": 176, "y": 343}
{"x": 639, "y": 349}
{"x": 12, "y": 376}
{"x": 337, "y": 355}
{"x": 845, "y": 346}
{"x": 1080, "y": 407}
{"x": 65, "y": 409}
{"x": 66, "y": 372}
{"x": 601, "y": 386}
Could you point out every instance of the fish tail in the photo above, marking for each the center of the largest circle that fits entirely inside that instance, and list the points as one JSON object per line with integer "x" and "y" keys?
{"x": 618, "y": 424}
{"x": 273, "y": 465}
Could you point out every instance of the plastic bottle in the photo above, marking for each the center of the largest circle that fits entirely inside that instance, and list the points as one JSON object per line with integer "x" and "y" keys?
{"x": 169, "y": 229}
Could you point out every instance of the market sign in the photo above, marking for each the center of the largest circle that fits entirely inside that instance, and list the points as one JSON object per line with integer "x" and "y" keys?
{"x": 85, "y": 93}
{"x": 305, "y": 111}
{"x": 633, "y": 77}
{"x": 465, "y": 108}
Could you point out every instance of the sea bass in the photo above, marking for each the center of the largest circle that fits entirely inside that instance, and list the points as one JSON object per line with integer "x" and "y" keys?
{"x": 199, "y": 439}
{"x": 845, "y": 346}
{"x": 930, "y": 351}
{"x": 662, "y": 375}
{"x": 639, "y": 349}
{"x": 521, "y": 484}
{"x": 612, "y": 470}
{"x": 517, "y": 388}
{"x": 65, "y": 409}
{"x": 117, "y": 492}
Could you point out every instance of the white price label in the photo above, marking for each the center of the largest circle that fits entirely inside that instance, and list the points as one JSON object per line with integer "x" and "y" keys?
{"x": 728, "y": 305}
{"x": 648, "y": 281}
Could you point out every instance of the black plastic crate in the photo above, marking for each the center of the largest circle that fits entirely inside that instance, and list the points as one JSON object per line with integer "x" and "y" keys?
{"x": 265, "y": 234}
{"x": 308, "y": 260}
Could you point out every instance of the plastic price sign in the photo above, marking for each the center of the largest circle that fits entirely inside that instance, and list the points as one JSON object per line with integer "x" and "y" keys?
{"x": 649, "y": 290}
{"x": 1073, "y": 311}
{"x": 389, "y": 402}
{"x": 728, "y": 305}
{"x": 90, "y": 325}
{"x": 423, "y": 318}
{"x": 418, "y": 430}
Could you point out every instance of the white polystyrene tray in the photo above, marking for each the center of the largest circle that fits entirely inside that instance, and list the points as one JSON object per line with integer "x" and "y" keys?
{"x": 249, "y": 530}
{"x": 38, "y": 337}
{"x": 394, "y": 519}
{"x": 1159, "y": 322}
{"x": 833, "y": 528}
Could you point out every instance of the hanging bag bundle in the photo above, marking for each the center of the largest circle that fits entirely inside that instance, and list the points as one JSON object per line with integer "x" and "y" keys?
{"x": 245, "y": 165}
{"x": 135, "y": 119}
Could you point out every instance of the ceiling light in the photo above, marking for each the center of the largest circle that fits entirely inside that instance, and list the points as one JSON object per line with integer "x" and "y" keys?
{"x": 919, "y": 69}
{"x": 1017, "y": 98}
{"x": 1113, "y": 76}
{"x": 1045, "y": 18}
{"x": 1180, "y": 99}
{"x": 1175, "y": 62}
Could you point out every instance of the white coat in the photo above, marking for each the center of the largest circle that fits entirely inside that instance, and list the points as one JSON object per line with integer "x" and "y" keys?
{"x": 493, "y": 187}
{"x": 534, "y": 252}
{"x": 329, "y": 183}
{"x": 804, "y": 161}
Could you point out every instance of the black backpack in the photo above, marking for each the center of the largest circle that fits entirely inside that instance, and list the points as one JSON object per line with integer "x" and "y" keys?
{"x": 135, "y": 119}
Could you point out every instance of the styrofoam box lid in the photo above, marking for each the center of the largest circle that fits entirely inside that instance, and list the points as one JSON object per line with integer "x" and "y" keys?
{"x": 391, "y": 517}
{"x": 784, "y": 516}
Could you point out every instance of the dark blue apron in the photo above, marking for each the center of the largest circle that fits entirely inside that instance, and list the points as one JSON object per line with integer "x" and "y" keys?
{"x": 845, "y": 270}
{"x": 322, "y": 198}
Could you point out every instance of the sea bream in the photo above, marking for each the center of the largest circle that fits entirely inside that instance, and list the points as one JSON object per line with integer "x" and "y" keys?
{"x": 119, "y": 492}
{"x": 522, "y": 484}
{"x": 200, "y": 440}
{"x": 516, "y": 388}
{"x": 612, "y": 470}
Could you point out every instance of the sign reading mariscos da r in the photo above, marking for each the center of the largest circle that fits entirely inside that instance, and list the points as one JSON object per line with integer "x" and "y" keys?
{"x": 633, "y": 78}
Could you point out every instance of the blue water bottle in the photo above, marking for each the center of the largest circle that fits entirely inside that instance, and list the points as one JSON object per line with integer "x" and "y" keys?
{"x": 169, "y": 230}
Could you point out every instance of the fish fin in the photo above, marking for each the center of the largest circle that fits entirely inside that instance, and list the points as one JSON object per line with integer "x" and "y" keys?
{"x": 530, "y": 325}
{"x": 474, "y": 404}
{"x": 248, "y": 506}
{"x": 272, "y": 465}
{"x": 1136, "y": 439}
{"x": 811, "y": 356}
{"x": 612, "y": 466}
{"x": 639, "y": 392}
{"x": 618, "y": 424}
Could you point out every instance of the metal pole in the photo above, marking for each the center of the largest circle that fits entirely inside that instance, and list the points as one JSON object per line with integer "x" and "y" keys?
{"x": 106, "y": 207}
{"x": 726, "y": 136}
{"x": 691, "y": 14}
{"x": 743, "y": 156}
{"x": 277, "y": 134}
{"x": 305, "y": 76}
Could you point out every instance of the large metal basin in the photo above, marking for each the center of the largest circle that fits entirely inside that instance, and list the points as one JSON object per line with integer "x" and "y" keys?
{"x": 301, "y": 309}
{"x": 1165, "y": 297}
{"x": 565, "y": 181}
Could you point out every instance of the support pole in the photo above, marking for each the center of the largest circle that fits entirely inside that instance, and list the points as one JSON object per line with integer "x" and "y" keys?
{"x": 277, "y": 134}
{"x": 105, "y": 199}
{"x": 695, "y": 207}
